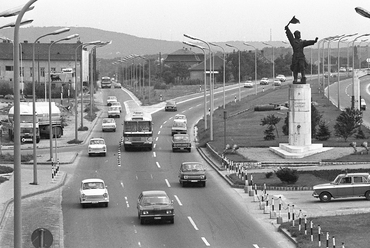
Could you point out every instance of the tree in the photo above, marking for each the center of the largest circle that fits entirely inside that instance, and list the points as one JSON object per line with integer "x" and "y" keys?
{"x": 323, "y": 132}
{"x": 286, "y": 125}
{"x": 315, "y": 120}
{"x": 271, "y": 121}
{"x": 347, "y": 123}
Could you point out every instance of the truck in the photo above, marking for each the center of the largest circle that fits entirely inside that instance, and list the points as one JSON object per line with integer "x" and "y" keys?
{"x": 42, "y": 121}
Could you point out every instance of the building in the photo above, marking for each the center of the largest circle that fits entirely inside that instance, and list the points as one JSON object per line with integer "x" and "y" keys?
{"x": 197, "y": 71}
{"x": 185, "y": 56}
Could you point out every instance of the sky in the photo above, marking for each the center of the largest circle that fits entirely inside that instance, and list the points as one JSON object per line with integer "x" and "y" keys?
{"x": 209, "y": 20}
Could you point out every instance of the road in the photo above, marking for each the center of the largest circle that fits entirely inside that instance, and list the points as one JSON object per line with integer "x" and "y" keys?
{"x": 212, "y": 216}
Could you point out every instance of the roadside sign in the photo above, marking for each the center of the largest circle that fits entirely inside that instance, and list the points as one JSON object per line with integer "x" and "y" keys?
{"x": 41, "y": 238}
{"x": 368, "y": 60}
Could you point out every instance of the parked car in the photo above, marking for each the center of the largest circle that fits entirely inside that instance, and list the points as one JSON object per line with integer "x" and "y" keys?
{"x": 116, "y": 85}
{"x": 111, "y": 99}
{"x": 363, "y": 104}
{"x": 248, "y": 84}
{"x": 181, "y": 142}
{"x": 155, "y": 205}
{"x": 97, "y": 146}
{"x": 264, "y": 81}
{"x": 93, "y": 192}
{"x": 170, "y": 106}
{"x": 281, "y": 77}
{"x": 276, "y": 82}
{"x": 344, "y": 185}
{"x": 114, "y": 112}
{"x": 192, "y": 172}
{"x": 108, "y": 124}
{"x": 117, "y": 104}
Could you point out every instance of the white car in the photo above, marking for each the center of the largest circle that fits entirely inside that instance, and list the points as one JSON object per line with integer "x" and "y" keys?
{"x": 180, "y": 117}
{"x": 117, "y": 104}
{"x": 276, "y": 82}
{"x": 93, "y": 192}
{"x": 248, "y": 84}
{"x": 114, "y": 112}
{"x": 264, "y": 81}
{"x": 108, "y": 124}
{"x": 97, "y": 146}
{"x": 281, "y": 77}
{"x": 111, "y": 99}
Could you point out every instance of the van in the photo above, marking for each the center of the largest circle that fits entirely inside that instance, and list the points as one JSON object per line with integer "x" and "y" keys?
{"x": 363, "y": 104}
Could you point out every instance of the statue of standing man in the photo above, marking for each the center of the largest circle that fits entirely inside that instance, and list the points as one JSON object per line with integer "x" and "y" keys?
{"x": 299, "y": 63}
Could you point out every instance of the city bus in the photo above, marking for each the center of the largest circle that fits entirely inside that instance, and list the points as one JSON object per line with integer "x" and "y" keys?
{"x": 106, "y": 82}
{"x": 138, "y": 130}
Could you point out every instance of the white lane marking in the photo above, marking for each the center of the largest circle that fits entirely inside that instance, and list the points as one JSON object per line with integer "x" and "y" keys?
{"x": 151, "y": 176}
{"x": 127, "y": 204}
{"x": 157, "y": 164}
{"x": 198, "y": 105}
{"x": 154, "y": 145}
{"x": 193, "y": 223}
{"x": 122, "y": 184}
{"x": 168, "y": 183}
{"x": 160, "y": 126}
{"x": 256, "y": 246}
{"x": 139, "y": 244}
{"x": 154, "y": 154}
{"x": 159, "y": 132}
{"x": 164, "y": 122}
{"x": 156, "y": 139}
{"x": 136, "y": 177}
{"x": 178, "y": 200}
{"x": 205, "y": 241}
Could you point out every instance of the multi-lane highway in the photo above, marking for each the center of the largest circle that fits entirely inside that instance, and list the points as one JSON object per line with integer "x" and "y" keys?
{"x": 212, "y": 216}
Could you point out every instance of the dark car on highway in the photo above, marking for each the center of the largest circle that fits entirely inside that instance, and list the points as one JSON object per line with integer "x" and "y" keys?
{"x": 192, "y": 172}
{"x": 155, "y": 205}
{"x": 170, "y": 106}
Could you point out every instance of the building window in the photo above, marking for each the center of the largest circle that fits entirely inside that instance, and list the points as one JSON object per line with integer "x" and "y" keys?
{"x": 8, "y": 68}
{"x": 42, "y": 71}
{"x": 53, "y": 70}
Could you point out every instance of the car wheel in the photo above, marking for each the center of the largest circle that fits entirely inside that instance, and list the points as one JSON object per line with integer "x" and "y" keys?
{"x": 104, "y": 154}
{"x": 325, "y": 197}
{"x": 173, "y": 150}
{"x": 204, "y": 184}
{"x": 367, "y": 195}
{"x": 83, "y": 205}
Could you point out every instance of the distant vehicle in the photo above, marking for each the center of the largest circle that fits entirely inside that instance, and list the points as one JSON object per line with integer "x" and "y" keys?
{"x": 170, "y": 106}
{"x": 344, "y": 185}
{"x": 264, "y": 81}
{"x": 350, "y": 69}
{"x": 106, "y": 82}
{"x": 155, "y": 205}
{"x": 192, "y": 172}
{"x": 363, "y": 104}
{"x": 109, "y": 124}
{"x": 180, "y": 117}
{"x": 111, "y": 99}
{"x": 342, "y": 69}
{"x": 97, "y": 147}
{"x": 117, "y": 104}
{"x": 9, "y": 97}
{"x": 138, "y": 130}
{"x": 114, "y": 112}
{"x": 116, "y": 85}
{"x": 248, "y": 84}
{"x": 181, "y": 142}
{"x": 276, "y": 82}
{"x": 93, "y": 192}
{"x": 281, "y": 77}
{"x": 178, "y": 127}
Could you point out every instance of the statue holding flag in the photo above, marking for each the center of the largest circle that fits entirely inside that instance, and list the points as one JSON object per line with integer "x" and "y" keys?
{"x": 299, "y": 63}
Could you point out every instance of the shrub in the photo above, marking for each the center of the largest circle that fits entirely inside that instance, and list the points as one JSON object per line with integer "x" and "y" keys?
{"x": 269, "y": 174}
{"x": 287, "y": 175}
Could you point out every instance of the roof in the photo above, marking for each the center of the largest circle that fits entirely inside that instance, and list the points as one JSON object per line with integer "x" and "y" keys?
{"x": 154, "y": 193}
{"x": 218, "y": 63}
{"x": 96, "y": 138}
{"x": 355, "y": 174}
{"x": 183, "y": 55}
{"x": 89, "y": 180}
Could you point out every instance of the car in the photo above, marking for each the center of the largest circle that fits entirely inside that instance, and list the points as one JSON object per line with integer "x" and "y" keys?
{"x": 117, "y": 104}
{"x": 179, "y": 127}
{"x": 350, "y": 69}
{"x": 363, "y": 104}
{"x": 180, "y": 117}
{"x": 248, "y": 84}
{"x": 111, "y": 99}
{"x": 342, "y": 69}
{"x": 114, "y": 112}
{"x": 97, "y": 146}
{"x": 116, "y": 85}
{"x": 109, "y": 124}
{"x": 181, "y": 142}
{"x": 192, "y": 172}
{"x": 344, "y": 185}
{"x": 93, "y": 191}
{"x": 170, "y": 106}
{"x": 155, "y": 205}
{"x": 281, "y": 77}
{"x": 264, "y": 81}
{"x": 9, "y": 97}
{"x": 276, "y": 82}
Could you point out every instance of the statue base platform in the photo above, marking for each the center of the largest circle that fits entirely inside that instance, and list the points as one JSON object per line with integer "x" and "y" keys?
{"x": 289, "y": 151}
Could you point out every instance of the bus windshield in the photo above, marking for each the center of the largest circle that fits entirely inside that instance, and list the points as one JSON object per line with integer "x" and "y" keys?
{"x": 138, "y": 126}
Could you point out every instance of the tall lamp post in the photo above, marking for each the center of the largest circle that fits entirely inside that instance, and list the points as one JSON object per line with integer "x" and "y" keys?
{"x": 273, "y": 59}
{"x": 205, "y": 80}
{"x": 255, "y": 64}
{"x": 56, "y": 32}
{"x": 148, "y": 76}
{"x": 17, "y": 144}
{"x": 49, "y": 75}
{"x": 224, "y": 71}
{"x": 238, "y": 69}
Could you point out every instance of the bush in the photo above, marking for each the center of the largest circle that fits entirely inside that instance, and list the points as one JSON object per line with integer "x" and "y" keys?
{"x": 287, "y": 175}
{"x": 269, "y": 174}
{"x": 160, "y": 86}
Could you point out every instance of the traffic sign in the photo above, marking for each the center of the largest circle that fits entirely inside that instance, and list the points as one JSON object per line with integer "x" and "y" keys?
{"x": 41, "y": 238}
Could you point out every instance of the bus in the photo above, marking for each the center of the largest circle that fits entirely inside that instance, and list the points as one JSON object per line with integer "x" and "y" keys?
{"x": 106, "y": 82}
{"x": 138, "y": 130}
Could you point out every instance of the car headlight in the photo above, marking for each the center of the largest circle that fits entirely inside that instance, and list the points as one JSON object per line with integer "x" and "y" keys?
{"x": 149, "y": 139}
{"x": 83, "y": 196}
{"x": 202, "y": 177}
{"x": 105, "y": 195}
{"x": 144, "y": 212}
{"x": 169, "y": 211}
{"x": 186, "y": 177}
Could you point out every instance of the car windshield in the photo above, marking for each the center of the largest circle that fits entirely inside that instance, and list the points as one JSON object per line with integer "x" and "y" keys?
{"x": 114, "y": 109}
{"x": 108, "y": 120}
{"x": 97, "y": 142}
{"x": 179, "y": 124}
{"x": 181, "y": 138}
{"x": 155, "y": 200}
{"x": 93, "y": 185}
{"x": 192, "y": 167}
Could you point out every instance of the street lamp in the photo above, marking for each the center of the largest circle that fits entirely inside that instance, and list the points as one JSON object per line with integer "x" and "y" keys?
{"x": 224, "y": 76}
{"x": 329, "y": 62}
{"x": 59, "y": 31}
{"x": 49, "y": 75}
{"x": 273, "y": 59}
{"x": 148, "y": 76}
{"x": 205, "y": 80}
{"x": 17, "y": 145}
{"x": 255, "y": 63}
{"x": 238, "y": 69}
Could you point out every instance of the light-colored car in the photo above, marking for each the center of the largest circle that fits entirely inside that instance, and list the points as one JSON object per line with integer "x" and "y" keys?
{"x": 109, "y": 124}
{"x": 117, "y": 104}
{"x": 155, "y": 205}
{"x": 111, "y": 99}
{"x": 342, "y": 69}
{"x": 248, "y": 84}
{"x": 93, "y": 191}
{"x": 363, "y": 104}
{"x": 180, "y": 117}
{"x": 264, "y": 81}
{"x": 192, "y": 172}
{"x": 97, "y": 146}
{"x": 276, "y": 82}
{"x": 170, "y": 106}
{"x": 114, "y": 112}
{"x": 344, "y": 185}
{"x": 179, "y": 127}
{"x": 281, "y": 77}
{"x": 181, "y": 142}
